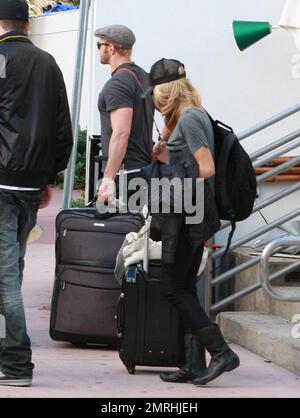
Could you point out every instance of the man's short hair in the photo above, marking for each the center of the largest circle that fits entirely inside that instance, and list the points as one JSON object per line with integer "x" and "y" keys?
{"x": 11, "y": 25}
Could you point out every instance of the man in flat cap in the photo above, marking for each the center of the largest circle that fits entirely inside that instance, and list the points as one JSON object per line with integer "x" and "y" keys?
{"x": 35, "y": 144}
{"x": 126, "y": 118}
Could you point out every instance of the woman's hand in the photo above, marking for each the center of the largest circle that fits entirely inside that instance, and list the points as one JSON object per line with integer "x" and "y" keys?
{"x": 159, "y": 152}
{"x": 158, "y": 148}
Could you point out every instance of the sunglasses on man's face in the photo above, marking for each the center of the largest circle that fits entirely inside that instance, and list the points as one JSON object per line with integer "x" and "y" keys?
{"x": 99, "y": 44}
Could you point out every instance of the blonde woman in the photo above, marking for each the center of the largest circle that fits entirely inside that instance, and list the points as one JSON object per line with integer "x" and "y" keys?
{"x": 190, "y": 142}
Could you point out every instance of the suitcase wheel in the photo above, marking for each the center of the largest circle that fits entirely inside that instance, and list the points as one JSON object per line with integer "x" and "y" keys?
{"x": 131, "y": 369}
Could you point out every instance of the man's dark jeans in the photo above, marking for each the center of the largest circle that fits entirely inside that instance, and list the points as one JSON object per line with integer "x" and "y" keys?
{"x": 18, "y": 212}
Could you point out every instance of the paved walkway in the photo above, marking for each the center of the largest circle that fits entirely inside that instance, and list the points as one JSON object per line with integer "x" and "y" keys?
{"x": 62, "y": 370}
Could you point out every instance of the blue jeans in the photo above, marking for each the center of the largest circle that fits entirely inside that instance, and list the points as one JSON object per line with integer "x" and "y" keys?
{"x": 18, "y": 212}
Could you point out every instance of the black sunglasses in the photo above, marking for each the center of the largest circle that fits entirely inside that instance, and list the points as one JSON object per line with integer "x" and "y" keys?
{"x": 99, "y": 44}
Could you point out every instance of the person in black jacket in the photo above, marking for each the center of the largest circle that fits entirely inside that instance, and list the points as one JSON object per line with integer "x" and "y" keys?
{"x": 190, "y": 144}
{"x": 35, "y": 144}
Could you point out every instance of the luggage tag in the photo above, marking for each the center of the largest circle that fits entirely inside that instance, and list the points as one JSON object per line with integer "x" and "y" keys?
{"x": 131, "y": 274}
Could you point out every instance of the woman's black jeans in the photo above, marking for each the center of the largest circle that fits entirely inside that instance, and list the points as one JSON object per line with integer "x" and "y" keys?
{"x": 180, "y": 288}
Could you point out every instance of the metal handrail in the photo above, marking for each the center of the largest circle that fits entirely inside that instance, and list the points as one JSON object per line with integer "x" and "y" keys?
{"x": 250, "y": 289}
{"x": 269, "y": 201}
{"x": 274, "y": 145}
{"x": 290, "y": 146}
{"x": 236, "y": 270}
{"x": 264, "y": 268}
{"x": 259, "y": 231}
{"x": 269, "y": 122}
{"x": 250, "y": 263}
{"x": 286, "y": 145}
{"x": 277, "y": 170}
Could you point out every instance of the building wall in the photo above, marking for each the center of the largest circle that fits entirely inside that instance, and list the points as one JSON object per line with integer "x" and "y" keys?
{"x": 56, "y": 33}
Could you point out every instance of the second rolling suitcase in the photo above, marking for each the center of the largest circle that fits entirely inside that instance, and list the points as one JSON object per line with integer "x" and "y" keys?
{"x": 149, "y": 327}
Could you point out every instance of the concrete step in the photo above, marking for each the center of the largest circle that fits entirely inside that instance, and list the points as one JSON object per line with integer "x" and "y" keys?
{"x": 265, "y": 334}
{"x": 286, "y": 310}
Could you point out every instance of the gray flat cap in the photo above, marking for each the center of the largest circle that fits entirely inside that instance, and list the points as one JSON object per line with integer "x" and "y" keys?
{"x": 119, "y": 35}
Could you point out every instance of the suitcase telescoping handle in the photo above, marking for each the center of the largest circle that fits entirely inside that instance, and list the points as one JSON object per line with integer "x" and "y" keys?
{"x": 120, "y": 315}
{"x": 121, "y": 175}
{"x": 146, "y": 247}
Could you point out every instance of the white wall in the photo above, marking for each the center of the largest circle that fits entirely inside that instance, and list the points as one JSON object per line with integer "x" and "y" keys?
{"x": 56, "y": 33}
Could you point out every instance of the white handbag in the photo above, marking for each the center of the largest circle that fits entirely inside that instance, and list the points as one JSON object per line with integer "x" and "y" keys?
{"x": 133, "y": 252}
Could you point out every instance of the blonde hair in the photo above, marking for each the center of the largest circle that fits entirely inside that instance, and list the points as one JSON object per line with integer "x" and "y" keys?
{"x": 172, "y": 98}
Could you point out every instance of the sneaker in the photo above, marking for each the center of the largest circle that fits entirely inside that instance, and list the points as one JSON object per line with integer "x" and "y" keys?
{"x": 6, "y": 380}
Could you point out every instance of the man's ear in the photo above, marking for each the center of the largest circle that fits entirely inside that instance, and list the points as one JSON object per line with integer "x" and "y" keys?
{"x": 27, "y": 27}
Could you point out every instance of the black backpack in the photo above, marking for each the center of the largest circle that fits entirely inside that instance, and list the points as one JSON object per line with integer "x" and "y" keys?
{"x": 235, "y": 179}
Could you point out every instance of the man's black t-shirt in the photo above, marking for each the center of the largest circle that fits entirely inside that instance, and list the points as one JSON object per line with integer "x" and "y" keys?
{"x": 122, "y": 91}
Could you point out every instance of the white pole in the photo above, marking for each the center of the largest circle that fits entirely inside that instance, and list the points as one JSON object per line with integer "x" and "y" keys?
{"x": 76, "y": 100}
{"x": 92, "y": 102}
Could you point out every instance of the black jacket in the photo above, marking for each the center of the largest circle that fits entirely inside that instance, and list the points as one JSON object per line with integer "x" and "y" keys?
{"x": 169, "y": 227}
{"x": 35, "y": 128}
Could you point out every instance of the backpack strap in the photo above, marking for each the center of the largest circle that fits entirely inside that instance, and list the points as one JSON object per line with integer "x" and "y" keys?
{"x": 233, "y": 226}
{"x": 222, "y": 166}
{"x": 135, "y": 76}
{"x": 219, "y": 123}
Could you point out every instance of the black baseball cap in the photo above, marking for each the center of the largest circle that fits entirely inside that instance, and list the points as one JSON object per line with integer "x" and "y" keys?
{"x": 14, "y": 10}
{"x": 163, "y": 71}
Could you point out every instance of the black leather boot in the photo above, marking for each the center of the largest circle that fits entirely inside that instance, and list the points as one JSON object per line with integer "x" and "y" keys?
{"x": 195, "y": 362}
{"x": 223, "y": 359}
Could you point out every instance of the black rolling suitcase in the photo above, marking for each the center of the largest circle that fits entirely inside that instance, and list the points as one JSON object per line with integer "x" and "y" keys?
{"x": 85, "y": 291}
{"x": 149, "y": 327}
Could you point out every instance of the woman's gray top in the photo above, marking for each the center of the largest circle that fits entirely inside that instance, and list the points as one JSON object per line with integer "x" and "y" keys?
{"x": 192, "y": 131}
